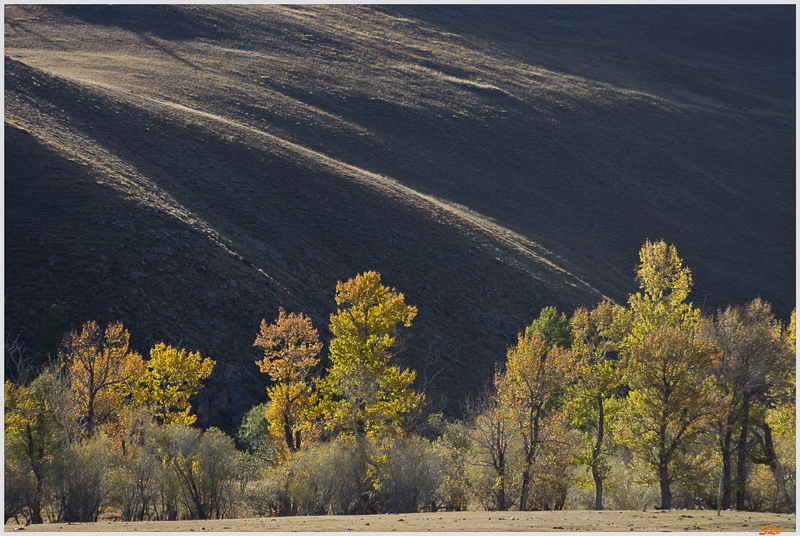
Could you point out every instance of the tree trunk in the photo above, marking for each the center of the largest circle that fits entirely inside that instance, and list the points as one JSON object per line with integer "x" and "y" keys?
{"x": 663, "y": 465}
{"x": 726, "y": 468}
{"x": 598, "y": 479}
{"x": 500, "y": 467}
{"x": 525, "y": 488}
{"x": 741, "y": 450}
{"x": 287, "y": 436}
{"x": 530, "y": 454}
{"x": 36, "y": 467}
{"x": 666, "y": 494}
{"x": 774, "y": 464}
{"x": 90, "y": 414}
{"x": 501, "y": 493}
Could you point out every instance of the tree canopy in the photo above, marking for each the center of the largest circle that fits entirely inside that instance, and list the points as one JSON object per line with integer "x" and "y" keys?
{"x": 364, "y": 392}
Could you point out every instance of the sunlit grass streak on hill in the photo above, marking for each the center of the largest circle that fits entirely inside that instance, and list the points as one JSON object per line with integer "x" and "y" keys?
{"x": 388, "y": 186}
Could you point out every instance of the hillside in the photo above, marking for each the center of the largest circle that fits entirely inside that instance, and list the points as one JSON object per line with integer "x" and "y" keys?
{"x": 189, "y": 169}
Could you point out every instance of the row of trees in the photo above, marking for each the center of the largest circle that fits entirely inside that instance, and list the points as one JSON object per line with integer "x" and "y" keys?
{"x": 661, "y": 381}
{"x": 86, "y": 407}
{"x": 680, "y": 395}
{"x": 645, "y": 400}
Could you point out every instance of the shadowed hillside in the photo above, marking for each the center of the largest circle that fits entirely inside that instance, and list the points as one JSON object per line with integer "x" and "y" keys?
{"x": 189, "y": 169}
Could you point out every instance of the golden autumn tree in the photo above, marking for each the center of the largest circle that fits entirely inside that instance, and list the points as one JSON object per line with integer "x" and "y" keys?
{"x": 755, "y": 367}
{"x": 364, "y": 392}
{"x": 291, "y": 346}
{"x": 98, "y": 362}
{"x": 534, "y": 376}
{"x": 670, "y": 402}
{"x": 168, "y": 380}
{"x": 29, "y": 433}
{"x": 591, "y": 401}
{"x": 665, "y": 285}
{"x": 666, "y": 367}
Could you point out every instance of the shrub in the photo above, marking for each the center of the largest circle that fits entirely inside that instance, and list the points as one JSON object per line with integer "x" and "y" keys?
{"x": 133, "y": 484}
{"x": 133, "y": 488}
{"x": 254, "y": 436}
{"x": 330, "y": 478}
{"x": 628, "y": 486}
{"x": 78, "y": 478}
{"x": 18, "y": 487}
{"x": 204, "y": 464}
{"x": 452, "y": 448}
{"x": 409, "y": 474}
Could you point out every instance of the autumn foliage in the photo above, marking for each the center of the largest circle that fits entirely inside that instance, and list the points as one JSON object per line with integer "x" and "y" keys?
{"x": 291, "y": 346}
{"x": 171, "y": 377}
{"x": 99, "y": 361}
{"x": 636, "y": 403}
{"x": 364, "y": 393}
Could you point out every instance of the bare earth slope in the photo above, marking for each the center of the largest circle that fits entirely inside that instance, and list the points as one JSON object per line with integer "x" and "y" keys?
{"x": 188, "y": 170}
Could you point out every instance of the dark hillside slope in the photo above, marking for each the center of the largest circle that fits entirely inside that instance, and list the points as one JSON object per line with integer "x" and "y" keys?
{"x": 189, "y": 169}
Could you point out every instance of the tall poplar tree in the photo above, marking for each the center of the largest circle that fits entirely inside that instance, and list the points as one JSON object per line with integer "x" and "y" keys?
{"x": 592, "y": 404}
{"x": 291, "y": 348}
{"x": 667, "y": 366}
{"x": 364, "y": 392}
{"x": 534, "y": 376}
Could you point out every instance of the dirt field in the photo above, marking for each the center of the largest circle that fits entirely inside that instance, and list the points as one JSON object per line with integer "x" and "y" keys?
{"x": 574, "y": 521}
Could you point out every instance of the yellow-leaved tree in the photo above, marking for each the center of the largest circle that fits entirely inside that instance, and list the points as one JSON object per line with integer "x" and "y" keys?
{"x": 170, "y": 378}
{"x": 30, "y": 432}
{"x": 592, "y": 402}
{"x": 534, "y": 375}
{"x": 667, "y": 368}
{"x": 665, "y": 285}
{"x": 364, "y": 393}
{"x": 291, "y": 346}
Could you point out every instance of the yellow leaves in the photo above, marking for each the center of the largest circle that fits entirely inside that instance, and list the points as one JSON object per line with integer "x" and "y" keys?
{"x": 373, "y": 313}
{"x": 16, "y": 403}
{"x": 666, "y": 284}
{"x": 291, "y": 346}
{"x": 671, "y": 396}
{"x": 363, "y": 392}
{"x": 98, "y": 361}
{"x": 167, "y": 381}
{"x": 534, "y": 374}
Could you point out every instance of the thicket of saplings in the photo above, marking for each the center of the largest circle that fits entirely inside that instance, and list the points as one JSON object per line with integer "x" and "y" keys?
{"x": 624, "y": 407}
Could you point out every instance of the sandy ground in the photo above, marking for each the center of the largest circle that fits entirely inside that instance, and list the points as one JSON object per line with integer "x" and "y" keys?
{"x": 573, "y": 521}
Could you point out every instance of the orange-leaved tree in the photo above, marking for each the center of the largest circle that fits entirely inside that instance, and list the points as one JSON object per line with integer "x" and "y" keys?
{"x": 98, "y": 361}
{"x": 291, "y": 348}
